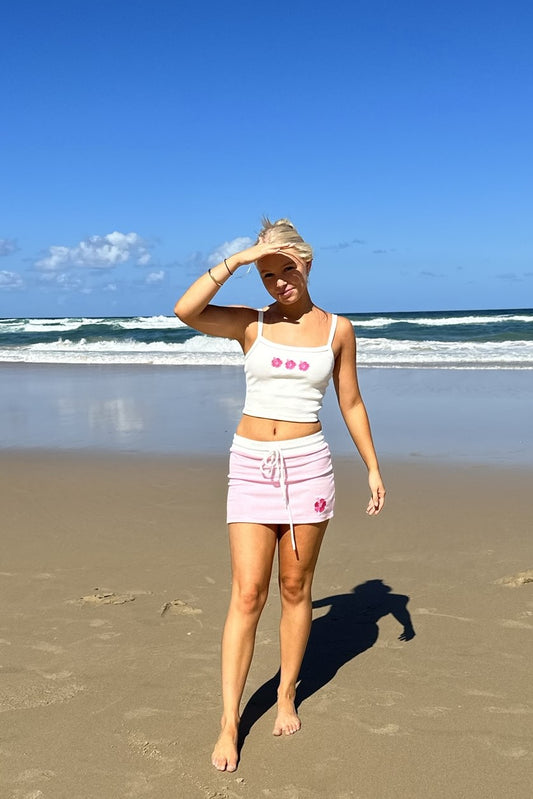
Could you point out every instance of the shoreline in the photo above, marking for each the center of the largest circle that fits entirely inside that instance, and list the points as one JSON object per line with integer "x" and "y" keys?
{"x": 457, "y": 416}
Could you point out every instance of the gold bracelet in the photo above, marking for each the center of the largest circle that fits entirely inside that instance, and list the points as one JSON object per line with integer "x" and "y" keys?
{"x": 227, "y": 267}
{"x": 214, "y": 279}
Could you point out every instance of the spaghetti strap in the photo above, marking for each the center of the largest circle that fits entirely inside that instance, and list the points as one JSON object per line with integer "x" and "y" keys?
{"x": 332, "y": 329}
{"x": 259, "y": 323}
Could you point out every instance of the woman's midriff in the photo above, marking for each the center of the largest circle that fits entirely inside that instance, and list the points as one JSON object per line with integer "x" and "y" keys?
{"x": 274, "y": 429}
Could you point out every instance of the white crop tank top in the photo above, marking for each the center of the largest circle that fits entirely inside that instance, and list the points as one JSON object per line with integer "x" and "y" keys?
{"x": 287, "y": 382}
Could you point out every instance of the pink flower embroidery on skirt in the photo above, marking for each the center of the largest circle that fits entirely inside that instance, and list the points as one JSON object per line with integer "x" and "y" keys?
{"x": 320, "y": 505}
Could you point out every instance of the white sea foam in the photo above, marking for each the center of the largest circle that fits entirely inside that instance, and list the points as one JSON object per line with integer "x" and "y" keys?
{"x": 64, "y": 325}
{"x": 203, "y": 350}
{"x": 446, "y": 354}
{"x": 150, "y": 323}
{"x": 198, "y": 350}
{"x": 442, "y": 321}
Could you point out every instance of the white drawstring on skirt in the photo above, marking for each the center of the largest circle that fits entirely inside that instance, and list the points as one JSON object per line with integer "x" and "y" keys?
{"x": 273, "y": 468}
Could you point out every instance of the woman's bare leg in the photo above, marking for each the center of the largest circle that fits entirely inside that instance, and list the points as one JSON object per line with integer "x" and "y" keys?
{"x": 252, "y": 548}
{"x": 295, "y": 581}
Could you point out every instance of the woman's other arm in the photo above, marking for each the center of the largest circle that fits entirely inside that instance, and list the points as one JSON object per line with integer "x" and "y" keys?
{"x": 354, "y": 412}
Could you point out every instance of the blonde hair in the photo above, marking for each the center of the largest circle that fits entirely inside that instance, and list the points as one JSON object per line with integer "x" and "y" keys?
{"x": 283, "y": 232}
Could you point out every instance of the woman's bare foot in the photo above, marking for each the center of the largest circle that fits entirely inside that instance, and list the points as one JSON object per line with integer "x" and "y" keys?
{"x": 225, "y": 755}
{"x": 287, "y": 721}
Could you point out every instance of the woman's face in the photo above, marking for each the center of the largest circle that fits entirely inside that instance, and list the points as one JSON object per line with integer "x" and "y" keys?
{"x": 284, "y": 276}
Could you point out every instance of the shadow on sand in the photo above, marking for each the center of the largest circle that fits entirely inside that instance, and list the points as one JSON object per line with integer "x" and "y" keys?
{"x": 347, "y": 629}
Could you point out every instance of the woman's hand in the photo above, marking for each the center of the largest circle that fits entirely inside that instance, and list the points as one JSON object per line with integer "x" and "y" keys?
{"x": 377, "y": 500}
{"x": 252, "y": 254}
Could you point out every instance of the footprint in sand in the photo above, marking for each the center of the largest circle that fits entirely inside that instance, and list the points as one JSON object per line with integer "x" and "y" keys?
{"x": 103, "y": 598}
{"x": 388, "y": 729}
{"x": 153, "y": 750}
{"x": 515, "y": 580}
{"x": 180, "y": 608}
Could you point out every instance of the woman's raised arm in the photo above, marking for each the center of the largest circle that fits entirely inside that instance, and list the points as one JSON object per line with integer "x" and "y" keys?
{"x": 194, "y": 306}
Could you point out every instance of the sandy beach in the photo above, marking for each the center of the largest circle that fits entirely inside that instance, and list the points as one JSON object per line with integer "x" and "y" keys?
{"x": 114, "y": 581}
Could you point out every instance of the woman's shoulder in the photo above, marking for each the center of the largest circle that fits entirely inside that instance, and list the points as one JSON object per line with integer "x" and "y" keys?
{"x": 344, "y": 326}
{"x": 344, "y": 339}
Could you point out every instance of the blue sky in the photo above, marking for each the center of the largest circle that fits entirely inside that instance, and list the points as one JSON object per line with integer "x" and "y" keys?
{"x": 139, "y": 138}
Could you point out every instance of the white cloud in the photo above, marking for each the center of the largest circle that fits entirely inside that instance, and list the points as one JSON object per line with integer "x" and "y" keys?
{"x": 156, "y": 277}
{"x": 10, "y": 280}
{"x": 229, "y": 248}
{"x": 7, "y": 246}
{"x": 97, "y": 252}
{"x": 63, "y": 280}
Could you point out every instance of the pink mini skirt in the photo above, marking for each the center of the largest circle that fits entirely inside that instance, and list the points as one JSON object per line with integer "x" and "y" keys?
{"x": 281, "y": 482}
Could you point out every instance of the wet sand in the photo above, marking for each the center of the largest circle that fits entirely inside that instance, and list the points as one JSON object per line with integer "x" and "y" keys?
{"x": 114, "y": 581}
{"x": 464, "y": 416}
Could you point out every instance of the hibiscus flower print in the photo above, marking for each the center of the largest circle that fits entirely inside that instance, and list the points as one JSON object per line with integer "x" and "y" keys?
{"x": 320, "y": 505}
{"x": 276, "y": 362}
{"x": 303, "y": 366}
{"x": 290, "y": 364}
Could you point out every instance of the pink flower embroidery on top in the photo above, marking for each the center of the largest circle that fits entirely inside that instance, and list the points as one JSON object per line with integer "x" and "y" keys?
{"x": 320, "y": 505}
{"x": 276, "y": 362}
{"x": 290, "y": 364}
{"x": 303, "y": 366}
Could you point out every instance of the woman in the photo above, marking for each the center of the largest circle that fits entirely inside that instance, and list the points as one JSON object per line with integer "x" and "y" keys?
{"x": 281, "y": 490}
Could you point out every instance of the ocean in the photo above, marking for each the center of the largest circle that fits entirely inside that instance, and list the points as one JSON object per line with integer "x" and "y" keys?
{"x": 492, "y": 339}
